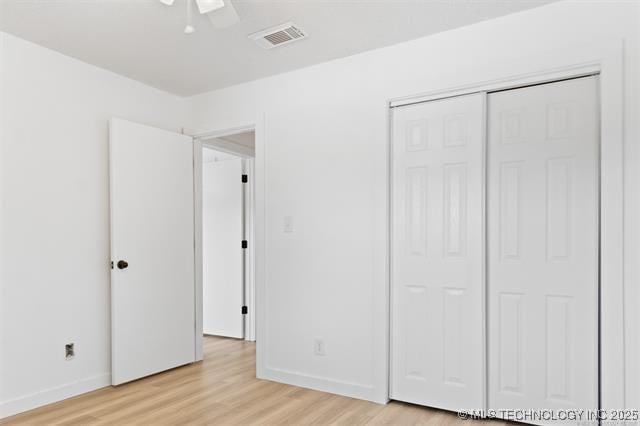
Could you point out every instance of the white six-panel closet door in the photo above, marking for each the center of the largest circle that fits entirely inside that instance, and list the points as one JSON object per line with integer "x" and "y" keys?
{"x": 437, "y": 253}
{"x": 543, "y": 246}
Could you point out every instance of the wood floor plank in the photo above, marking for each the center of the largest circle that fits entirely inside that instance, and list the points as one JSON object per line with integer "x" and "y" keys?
{"x": 223, "y": 389}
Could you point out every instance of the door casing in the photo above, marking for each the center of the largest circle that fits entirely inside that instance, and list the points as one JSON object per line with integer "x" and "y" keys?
{"x": 253, "y": 226}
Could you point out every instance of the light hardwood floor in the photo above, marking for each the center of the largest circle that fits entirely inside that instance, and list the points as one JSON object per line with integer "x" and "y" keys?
{"x": 223, "y": 390}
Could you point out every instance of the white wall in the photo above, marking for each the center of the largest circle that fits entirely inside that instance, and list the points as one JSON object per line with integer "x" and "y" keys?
{"x": 54, "y": 217}
{"x": 324, "y": 162}
{"x": 324, "y": 158}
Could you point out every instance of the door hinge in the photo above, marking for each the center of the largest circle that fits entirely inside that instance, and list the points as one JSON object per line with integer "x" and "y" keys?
{"x": 244, "y": 244}
{"x": 245, "y": 310}
{"x": 245, "y": 178}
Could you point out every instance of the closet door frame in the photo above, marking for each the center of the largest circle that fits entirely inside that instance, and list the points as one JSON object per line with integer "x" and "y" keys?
{"x": 606, "y": 61}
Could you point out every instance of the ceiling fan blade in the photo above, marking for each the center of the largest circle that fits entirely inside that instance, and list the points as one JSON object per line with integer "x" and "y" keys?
{"x": 206, "y": 6}
{"x": 224, "y": 17}
{"x": 167, "y": 2}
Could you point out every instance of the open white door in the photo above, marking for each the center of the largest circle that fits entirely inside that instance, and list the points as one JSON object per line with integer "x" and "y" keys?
{"x": 152, "y": 250}
{"x": 222, "y": 257}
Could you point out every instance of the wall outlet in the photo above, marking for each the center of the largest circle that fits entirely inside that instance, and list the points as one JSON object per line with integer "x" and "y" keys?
{"x": 69, "y": 351}
{"x": 318, "y": 347}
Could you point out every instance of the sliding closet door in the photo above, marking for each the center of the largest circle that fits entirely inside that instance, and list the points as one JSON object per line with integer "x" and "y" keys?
{"x": 543, "y": 246}
{"x": 437, "y": 253}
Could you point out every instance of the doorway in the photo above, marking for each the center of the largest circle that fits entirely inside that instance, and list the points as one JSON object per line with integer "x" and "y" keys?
{"x": 156, "y": 245}
{"x": 227, "y": 236}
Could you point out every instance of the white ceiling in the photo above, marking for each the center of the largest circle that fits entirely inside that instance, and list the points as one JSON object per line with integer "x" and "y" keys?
{"x": 143, "y": 39}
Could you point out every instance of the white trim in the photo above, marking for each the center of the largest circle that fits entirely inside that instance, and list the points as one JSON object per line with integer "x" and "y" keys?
{"x": 197, "y": 236}
{"x": 2, "y": 202}
{"x": 612, "y": 340}
{"x": 323, "y": 384}
{"x": 389, "y": 252}
{"x": 259, "y": 229}
{"x": 249, "y": 292}
{"x": 500, "y": 84}
{"x": 220, "y": 132}
{"x": 606, "y": 59}
{"x": 55, "y": 394}
{"x": 485, "y": 252}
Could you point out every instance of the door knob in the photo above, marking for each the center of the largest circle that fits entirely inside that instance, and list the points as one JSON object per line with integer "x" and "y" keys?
{"x": 122, "y": 264}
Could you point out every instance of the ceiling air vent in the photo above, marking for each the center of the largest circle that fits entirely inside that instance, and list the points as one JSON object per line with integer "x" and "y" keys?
{"x": 278, "y": 36}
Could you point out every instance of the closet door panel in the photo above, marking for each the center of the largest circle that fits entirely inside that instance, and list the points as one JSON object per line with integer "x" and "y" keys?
{"x": 542, "y": 233}
{"x": 437, "y": 253}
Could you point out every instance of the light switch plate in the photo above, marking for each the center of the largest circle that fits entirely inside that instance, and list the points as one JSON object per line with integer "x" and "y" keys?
{"x": 288, "y": 224}
{"x": 318, "y": 347}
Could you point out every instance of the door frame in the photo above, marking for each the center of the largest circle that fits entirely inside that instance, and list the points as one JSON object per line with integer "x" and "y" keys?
{"x": 254, "y": 267}
{"x": 606, "y": 60}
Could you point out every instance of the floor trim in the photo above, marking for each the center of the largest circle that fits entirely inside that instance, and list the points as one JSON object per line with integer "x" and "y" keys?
{"x": 323, "y": 384}
{"x": 51, "y": 395}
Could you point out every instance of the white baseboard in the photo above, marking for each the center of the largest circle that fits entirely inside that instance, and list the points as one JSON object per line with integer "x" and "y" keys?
{"x": 51, "y": 395}
{"x": 323, "y": 384}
